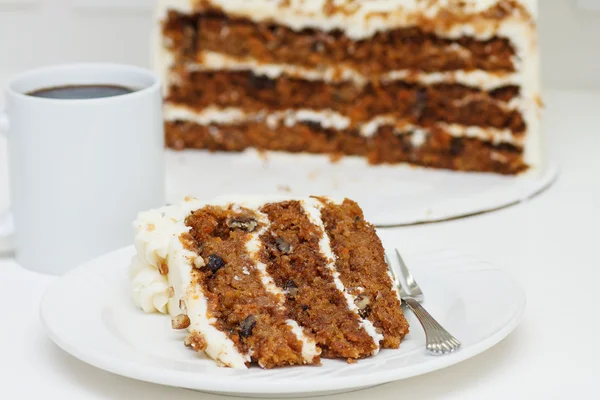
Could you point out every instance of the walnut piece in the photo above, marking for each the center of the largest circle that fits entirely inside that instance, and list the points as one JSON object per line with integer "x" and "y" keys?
{"x": 199, "y": 262}
{"x": 362, "y": 301}
{"x": 283, "y": 246}
{"x": 290, "y": 288}
{"x": 163, "y": 268}
{"x": 181, "y": 321}
{"x": 247, "y": 224}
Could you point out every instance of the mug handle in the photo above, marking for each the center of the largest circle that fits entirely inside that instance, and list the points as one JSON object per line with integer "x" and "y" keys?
{"x": 6, "y": 220}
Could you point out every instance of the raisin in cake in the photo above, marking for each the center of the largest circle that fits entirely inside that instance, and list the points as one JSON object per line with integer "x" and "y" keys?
{"x": 273, "y": 283}
{"x": 440, "y": 83}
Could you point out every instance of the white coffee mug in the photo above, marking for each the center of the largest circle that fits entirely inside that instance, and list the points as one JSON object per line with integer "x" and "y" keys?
{"x": 80, "y": 170}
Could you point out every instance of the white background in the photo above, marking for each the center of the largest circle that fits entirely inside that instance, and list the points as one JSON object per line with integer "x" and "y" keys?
{"x": 550, "y": 244}
{"x": 37, "y": 32}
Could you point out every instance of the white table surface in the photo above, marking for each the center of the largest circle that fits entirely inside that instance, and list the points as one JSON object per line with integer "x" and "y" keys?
{"x": 550, "y": 244}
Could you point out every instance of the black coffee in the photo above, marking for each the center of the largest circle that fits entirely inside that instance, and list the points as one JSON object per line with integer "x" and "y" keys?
{"x": 78, "y": 92}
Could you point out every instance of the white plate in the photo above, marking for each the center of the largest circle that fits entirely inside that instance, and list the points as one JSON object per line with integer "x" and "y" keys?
{"x": 389, "y": 195}
{"x": 89, "y": 314}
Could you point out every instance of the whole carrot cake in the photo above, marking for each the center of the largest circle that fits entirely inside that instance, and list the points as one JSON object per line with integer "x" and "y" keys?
{"x": 440, "y": 83}
{"x": 273, "y": 283}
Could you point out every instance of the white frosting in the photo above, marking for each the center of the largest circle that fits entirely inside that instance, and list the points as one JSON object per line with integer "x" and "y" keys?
{"x": 418, "y": 138}
{"x": 309, "y": 347}
{"x": 367, "y": 17}
{"x": 231, "y": 115}
{"x": 419, "y": 134}
{"x": 149, "y": 287}
{"x": 329, "y": 118}
{"x": 208, "y": 116}
{"x": 219, "y": 346}
{"x": 312, "y": 209}
{"x": 254, "y": 246}
{"x": 370, "y": 128}
{"x": 157, "y": 241}
{"x": 395, "y": 282}
{"x": 212, "y": 61}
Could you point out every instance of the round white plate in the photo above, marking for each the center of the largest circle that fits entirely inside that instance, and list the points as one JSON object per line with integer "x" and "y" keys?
{"x": 388, "y": 194}
{"x": 89, "y": 314}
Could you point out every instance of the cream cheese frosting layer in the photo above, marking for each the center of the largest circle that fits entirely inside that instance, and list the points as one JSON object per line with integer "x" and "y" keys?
{"x": 358, "y": 19}
{"x": 149, "y": 286}
{"x": 254, "y": 246}
{"x": 233, "y": 115}
{"x": 485, "y": 80}
{"x": 158, "y": 244}
{"x": 312, "y": 209}
{"x": 219, "y": 346}
{"x": 329, "y": 119}
{"x": 527, "y": 78}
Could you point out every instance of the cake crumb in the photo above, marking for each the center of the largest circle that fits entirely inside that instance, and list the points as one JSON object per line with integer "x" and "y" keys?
{"x": 539, "y": 102}
{"x": 494, "y": 155}
{"x": 284, "y": 188}
{"x": 196, "y": 341}
{"x": 199, "y": 262}
{"x": 335, "y": 157}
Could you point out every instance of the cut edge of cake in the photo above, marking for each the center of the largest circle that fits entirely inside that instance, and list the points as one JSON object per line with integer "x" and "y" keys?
{"x": 508, "y": 19}
{"x": 169, "y": 276}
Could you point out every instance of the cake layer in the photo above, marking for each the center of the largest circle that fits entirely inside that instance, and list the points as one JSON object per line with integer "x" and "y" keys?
{"x": 415, "y": 103}
{"x": 402, "y": 48}
{"x": 239, "y": 300}
{"x": 299, "y": 263}
{"x": 359, "y": 259}
{"x": 329, "y": 119}
{"x": 213, "y": 61}
{"x": 433, "y": 148}
{"x": 360, "y": 19}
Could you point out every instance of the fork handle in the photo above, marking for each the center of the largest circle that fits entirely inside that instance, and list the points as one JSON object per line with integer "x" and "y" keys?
{"x": 438, "y": 339}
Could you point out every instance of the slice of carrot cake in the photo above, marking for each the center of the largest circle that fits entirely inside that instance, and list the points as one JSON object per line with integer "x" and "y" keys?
{"x": 274, "y": 283}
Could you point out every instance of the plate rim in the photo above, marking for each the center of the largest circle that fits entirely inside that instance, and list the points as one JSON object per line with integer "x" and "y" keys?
{"x": 222, "y": 384}
{"x": 536, "y": 180}
{"x": 544, "y": 181}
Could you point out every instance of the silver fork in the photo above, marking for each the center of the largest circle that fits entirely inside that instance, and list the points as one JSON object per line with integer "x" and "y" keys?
{"x": 438, "y": 340}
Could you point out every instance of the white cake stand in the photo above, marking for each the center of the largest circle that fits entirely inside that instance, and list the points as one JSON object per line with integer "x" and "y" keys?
{"x": 389, "y": 195}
